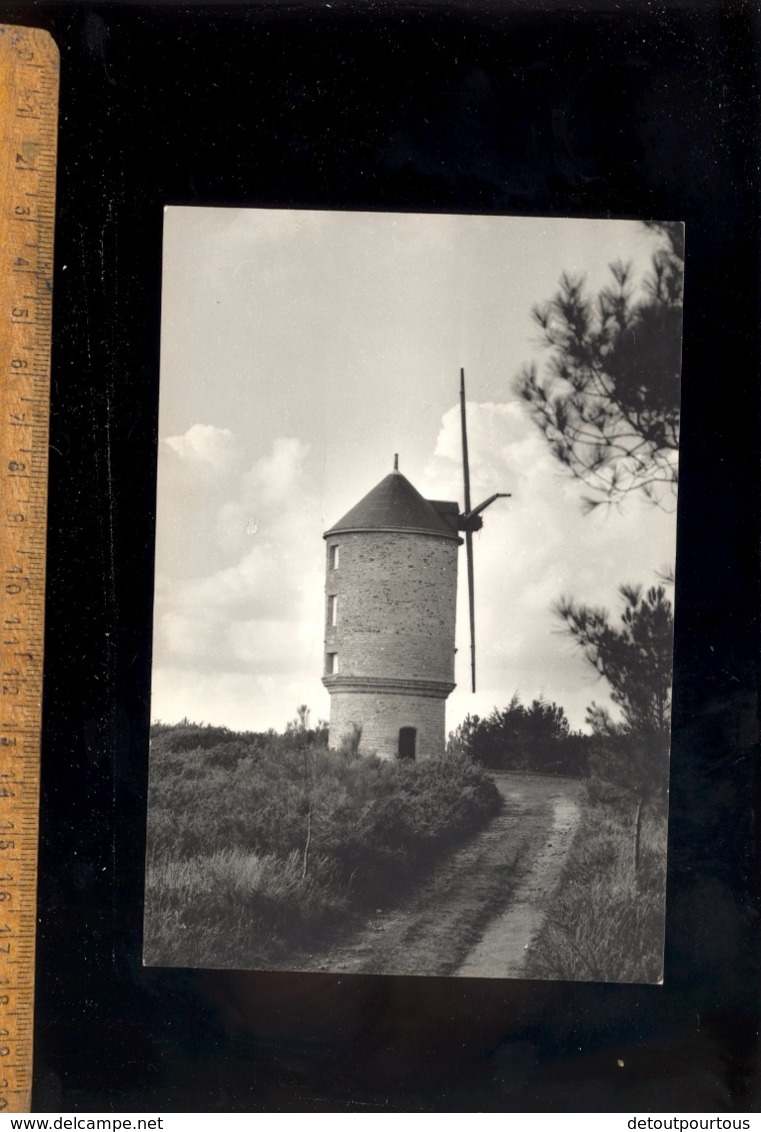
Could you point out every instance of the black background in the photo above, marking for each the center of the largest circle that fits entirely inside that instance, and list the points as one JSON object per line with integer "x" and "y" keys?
{"x": 647, "y": 112}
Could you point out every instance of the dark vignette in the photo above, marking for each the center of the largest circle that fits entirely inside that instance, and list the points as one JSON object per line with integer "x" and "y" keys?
{"x": 482, "y": 106}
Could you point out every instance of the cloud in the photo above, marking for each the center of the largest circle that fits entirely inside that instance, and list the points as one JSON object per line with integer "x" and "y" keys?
{"x": 205, "y": 447}
{"x": 242, "y": 614}
{"x": 243, "y": 701}
{"x": 236, "y": 247}
{"x": 534, "y": 547}
{"x": 274, "y": 502}
{"x": 505, "y": 452}
{"x": 251, "y": 602}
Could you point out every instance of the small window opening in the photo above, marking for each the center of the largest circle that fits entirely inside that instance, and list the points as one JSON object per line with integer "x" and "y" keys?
{"x": 331, "y": 664}
{"x": 333, "y": 557}
{"x": 333, "y": 609}
{"x": 407, "y": 738}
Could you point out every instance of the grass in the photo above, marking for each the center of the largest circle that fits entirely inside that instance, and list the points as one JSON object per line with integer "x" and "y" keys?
{"x": 607, "y": 921}
{"x": 259, "y": 846}
{"x": 231, "y": 907}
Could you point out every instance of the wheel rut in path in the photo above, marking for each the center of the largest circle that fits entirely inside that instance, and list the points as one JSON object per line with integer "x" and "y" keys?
{"x": 476, "y": 914}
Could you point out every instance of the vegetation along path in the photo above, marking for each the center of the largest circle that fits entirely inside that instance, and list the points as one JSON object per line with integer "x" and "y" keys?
{"x": 478, "y": 911}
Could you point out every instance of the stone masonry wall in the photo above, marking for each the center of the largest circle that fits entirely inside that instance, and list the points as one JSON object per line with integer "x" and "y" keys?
{"x": 396, "y": 598}
{"x": 395, "y": 619}
{"x": 382, "y": 716}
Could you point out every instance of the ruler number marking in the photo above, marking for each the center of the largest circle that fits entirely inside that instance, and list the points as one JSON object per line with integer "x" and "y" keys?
{"x": 28, "y": 99}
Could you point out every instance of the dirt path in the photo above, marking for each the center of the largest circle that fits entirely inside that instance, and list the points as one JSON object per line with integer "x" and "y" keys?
{"x": 477, "y": 913}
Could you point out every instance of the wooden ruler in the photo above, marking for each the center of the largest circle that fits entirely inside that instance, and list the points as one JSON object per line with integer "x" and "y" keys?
{"x": 28, "y": 131}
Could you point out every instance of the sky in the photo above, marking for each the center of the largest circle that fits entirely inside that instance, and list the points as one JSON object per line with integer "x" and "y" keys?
{"x": 300, "y": 351}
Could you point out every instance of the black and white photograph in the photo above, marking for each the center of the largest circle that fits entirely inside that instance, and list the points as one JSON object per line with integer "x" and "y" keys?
{"x": 413, "y": 621}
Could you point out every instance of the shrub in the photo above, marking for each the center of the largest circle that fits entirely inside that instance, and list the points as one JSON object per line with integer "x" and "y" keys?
{"x": 201, "y": 906}
{"x": 629, "y": 765}
{"x": 535, "y": 738}
{"x": 189, "y": 736}
{"x": 287, "y": 836}
{"x": 608, "y": 918}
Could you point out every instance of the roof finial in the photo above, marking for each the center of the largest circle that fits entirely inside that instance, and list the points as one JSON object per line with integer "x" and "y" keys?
{"x": 396, "y": 461}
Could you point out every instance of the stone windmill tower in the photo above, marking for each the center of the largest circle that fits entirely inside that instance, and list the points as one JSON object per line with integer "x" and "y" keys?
{"x": 391, "y": 589}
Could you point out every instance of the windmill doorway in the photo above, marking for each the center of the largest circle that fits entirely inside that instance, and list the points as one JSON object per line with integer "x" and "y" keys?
{"x": 407, "y": 740}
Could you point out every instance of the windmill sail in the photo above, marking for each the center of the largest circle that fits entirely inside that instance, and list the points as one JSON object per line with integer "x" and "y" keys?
{"x": 470, "y": 521}
{"x": 468, "y": 532}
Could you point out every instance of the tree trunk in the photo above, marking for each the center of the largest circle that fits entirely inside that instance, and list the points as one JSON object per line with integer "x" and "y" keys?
{"x": 306, "y": 846}
{"x": 309, "y": 785}
{"x": 638, "y": 832}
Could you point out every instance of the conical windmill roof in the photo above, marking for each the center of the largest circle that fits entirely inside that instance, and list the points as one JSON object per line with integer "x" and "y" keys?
{"x": 395, "y": 505}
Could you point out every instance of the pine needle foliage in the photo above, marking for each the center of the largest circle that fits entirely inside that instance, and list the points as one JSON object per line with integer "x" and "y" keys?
{"x": 607, "y": 399}
{"x": 535, "y": 738}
